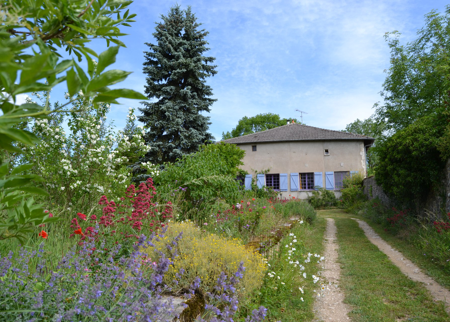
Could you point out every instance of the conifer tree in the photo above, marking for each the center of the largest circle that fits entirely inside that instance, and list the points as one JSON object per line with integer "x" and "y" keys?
{"x": 176, "y": 72}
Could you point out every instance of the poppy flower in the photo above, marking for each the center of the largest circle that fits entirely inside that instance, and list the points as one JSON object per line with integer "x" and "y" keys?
{"x": 82, "y": 216}
{"x": 43, "y": 234}
{"x": 79, "y": 232}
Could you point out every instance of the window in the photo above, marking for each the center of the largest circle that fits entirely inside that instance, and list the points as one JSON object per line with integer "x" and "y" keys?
{"x": 307, "y": 181}
{"x": 327, "y": 152}
{"x": 339, "y": 179}
{"x": 273, "y": 180}
{"x": 240, "y": 180}
{"x": 254, "y": 148}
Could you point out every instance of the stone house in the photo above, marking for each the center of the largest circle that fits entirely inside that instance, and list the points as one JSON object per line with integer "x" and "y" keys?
{"x": 302, "y": 158}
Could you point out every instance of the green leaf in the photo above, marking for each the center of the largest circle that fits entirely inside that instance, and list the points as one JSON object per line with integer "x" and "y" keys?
{"x": 80, "y": 30}
{"x": 107, "y": 58}
{"x": 108, "y": 78}
{"x": 73, "y": 82}
{"x": 5, "y": 144}
{"x": 21, "y": 168}
{"x": 22, "y": 136}
{"x": 4, "y": 170}
{"x": 16, "y": 182}
{"x": 35, "y": 190}
{"x": 32, "y": 69}
{"x": 125, "y": 93}
{"x": 118, "y": 42}
{"x": 104, "y": 99}
{"x": 81, "y": 74}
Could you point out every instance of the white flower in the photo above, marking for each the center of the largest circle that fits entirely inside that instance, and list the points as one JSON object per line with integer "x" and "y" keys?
{"x": 282, "y": 283}
{"x": 301, "y": 299}
{"x": 62, "y": 188}
{"x": 301, "y": 222}
{"x": 301, "y": 290}
{"x": 304, "y": 275}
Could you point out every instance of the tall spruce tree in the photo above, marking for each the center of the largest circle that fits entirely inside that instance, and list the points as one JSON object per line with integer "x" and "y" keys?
{"x": 176, "y": 72}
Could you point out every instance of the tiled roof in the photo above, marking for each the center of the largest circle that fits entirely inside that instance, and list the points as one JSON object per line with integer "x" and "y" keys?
{"x": 297, "y": 132}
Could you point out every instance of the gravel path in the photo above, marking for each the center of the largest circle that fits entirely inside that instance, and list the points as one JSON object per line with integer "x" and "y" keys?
{"x": 329, "y": 305}
{"x": 438, "y": 292}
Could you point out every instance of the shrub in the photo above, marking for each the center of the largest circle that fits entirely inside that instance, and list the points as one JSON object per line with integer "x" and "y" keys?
{"x": 204, "y": 176}
{"x": 322, "y": 198}
{"x": 353, "y": 195}
{"x": 300, "y": 208}
{"x": 206, "y": 256}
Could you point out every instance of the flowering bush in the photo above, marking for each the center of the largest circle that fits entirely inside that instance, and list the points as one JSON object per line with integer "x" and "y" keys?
{"x": 87, "y": 163}
{"x": 123, "y": 222}
{"x": 206, "y": 256}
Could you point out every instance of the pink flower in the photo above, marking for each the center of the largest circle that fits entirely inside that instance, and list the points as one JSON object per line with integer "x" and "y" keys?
{"x": 82, "y": 216}
{"x": 206, "y": 224}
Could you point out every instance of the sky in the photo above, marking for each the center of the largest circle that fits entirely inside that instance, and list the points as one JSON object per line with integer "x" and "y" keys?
{"x": 324, "y": 57}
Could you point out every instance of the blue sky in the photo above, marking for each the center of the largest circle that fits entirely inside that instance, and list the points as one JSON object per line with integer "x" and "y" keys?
{"x": 323, "y": 57}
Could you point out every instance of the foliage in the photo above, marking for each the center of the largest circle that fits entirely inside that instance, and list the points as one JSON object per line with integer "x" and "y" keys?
{"x": 203, "y": 176}
{"x": 299, "y": 208}
{"x": 322, "y": 198}
{"x": 409, "y": 161}
{"x": 206, "y": 255}
{"x": 72, "y": 25}
{"x": 230, "y": 153}
{"x": 417, "y": 83}
{"x": 176, "y": 72}
{"x": 258, "y": 123}
{"x": 371, "y": 127}
{"x": 353, "y": 192}
{"x": 241, "y": 221}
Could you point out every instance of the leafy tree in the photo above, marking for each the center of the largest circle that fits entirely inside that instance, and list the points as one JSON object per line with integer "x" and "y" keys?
{"x": 37, "y": 27}
{"x": 418, "y": 79}
{"x": 258, "y": 123}
{"x": 409, "y": 161}
{"x": 176, "y": 72}
{"x": 369, "y": 127}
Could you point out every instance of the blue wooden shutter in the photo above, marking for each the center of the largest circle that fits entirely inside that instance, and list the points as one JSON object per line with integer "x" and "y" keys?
{"x": 260, "y": 180}
{"x": 352, "y": 173}
{"x": 248, "y": 182}
{"x": 283, "y": 182}
{"x": 294, "y": 181}
{"x": 318, "y": 182}
{"x": 329, "y": 180}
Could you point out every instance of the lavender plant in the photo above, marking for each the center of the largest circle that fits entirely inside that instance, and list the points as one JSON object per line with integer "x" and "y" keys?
{"x": 224, "y": 300}
{"x": 81, "y": 288}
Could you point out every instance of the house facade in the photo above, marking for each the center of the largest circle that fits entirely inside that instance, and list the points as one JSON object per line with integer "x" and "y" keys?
{"x": 302, "y": 158}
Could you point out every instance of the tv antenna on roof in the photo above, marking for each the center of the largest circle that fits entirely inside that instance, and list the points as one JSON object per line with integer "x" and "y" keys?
{"x": 301, "y": 114}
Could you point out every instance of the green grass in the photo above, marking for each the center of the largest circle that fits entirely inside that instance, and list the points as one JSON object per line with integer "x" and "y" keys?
{"x": 284, "y": 303}
{"x": 405, "y": 243}
{"x": 374, "y": 287}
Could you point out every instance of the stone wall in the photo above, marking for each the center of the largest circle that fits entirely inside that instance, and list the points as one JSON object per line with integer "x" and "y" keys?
{"x": 437, "y": 201}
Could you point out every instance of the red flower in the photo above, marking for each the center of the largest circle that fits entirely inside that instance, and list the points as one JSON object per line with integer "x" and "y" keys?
{"x": 82, "y": 216}
{"x": 79, "y": 232}
{"x": 93, "y": 217}
{"x": 242, "y": 201}
{"x": 253, "y": 199}
{"x": 43, "y": 234}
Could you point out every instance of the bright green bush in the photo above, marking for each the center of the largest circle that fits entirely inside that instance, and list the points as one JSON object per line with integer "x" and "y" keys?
{"x": 206, "y": 255}
{"x": 353, "y": 196}
{"x": 322, "y": 198}
{"x": 203, "y": 176}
